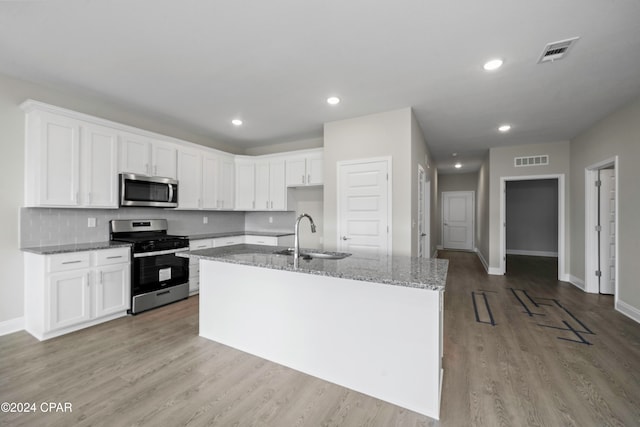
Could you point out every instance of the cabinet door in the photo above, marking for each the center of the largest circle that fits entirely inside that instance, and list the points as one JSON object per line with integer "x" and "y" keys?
{"x": 245, "y": 186}
{"x": 112, "y": 289}
{"x": 164, "y": 159}
{"x": 315, "y": 167}
{"x": 189, "y": 180}
{"x": 210, "y": 173}
{"x": 226, "y": 183}
{"x": 277, "y": 186}
{"x": 262, "y": 186}
{"x": 60, "y": 161}
{"x": 99, "y": 185}
{"x": 135, "y": 154}
{"x": 69, "y": 299}
{"x": 296, "y": 172}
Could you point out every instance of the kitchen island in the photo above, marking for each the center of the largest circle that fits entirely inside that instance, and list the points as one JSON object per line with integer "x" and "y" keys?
{"x": 369, "y": 323}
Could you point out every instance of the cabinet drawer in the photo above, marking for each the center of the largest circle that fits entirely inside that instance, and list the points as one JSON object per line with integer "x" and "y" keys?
{"x": 112, "y": 256}
{"x": 70, "y": 261}
{"x": 261, "y": 240}
{"x": 228, "y": 241}
{"x": 195, "y": 245}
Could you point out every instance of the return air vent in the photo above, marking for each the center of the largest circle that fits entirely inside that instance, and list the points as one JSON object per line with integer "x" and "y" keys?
{"x": 531, "y": 161}
{"x": 557, "y": 50}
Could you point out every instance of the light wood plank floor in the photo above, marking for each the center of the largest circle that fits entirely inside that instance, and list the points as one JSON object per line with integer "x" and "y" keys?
{"x": 153, "y": 369}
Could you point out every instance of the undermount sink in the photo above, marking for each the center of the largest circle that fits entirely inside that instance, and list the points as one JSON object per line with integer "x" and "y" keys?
{"x": 311, "y": 254}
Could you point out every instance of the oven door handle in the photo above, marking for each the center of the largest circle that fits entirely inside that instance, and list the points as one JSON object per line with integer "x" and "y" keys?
{"x": 167, "y": 252}
{"x": 170, "y": 193}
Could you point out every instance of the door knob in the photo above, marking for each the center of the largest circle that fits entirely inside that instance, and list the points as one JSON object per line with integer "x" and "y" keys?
{"x": 345, "y": 238}
{"x": 423, "y": 234}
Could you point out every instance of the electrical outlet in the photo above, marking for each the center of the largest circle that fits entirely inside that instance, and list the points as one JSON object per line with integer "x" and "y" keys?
{"x": 91, "y": 222}
{"x": 270, "y": 220}
{"x": 205, "y": 220}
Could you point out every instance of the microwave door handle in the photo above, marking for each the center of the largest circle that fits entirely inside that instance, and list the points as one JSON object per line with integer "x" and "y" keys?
{"x": 170, "y": 192}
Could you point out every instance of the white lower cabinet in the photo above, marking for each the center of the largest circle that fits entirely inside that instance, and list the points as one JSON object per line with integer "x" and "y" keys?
{"x": 71, "y": 291}
{"x": 194, "y": 264}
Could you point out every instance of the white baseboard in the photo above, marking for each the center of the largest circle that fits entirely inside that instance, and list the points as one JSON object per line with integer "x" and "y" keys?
{"x": 482, "y": 260}
{"x": 495, "y": 271}
{"x": 532, "y": 253}
{"x": 12, "y": 325}
{"x": 628, "y": 310}
{"x": 577, "y": 282}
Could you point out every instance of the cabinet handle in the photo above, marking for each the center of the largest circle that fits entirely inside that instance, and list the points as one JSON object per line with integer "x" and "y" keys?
{"x": 146, "y": 168}
{"x": 309, "y": 179}
{"x": 89, "y": 197}
{"x": 88, "y": 279}
{"x": 268, "y": 204}
{"x": 72, "y": 262}
{"x": 253, "y": 204}
{"x": 101, "y": 278}
{"x": 201, "y": 246}
{"x": 303, "y": 179}
{"x": 272, "y": 204}
{"x": 114, "y": 257}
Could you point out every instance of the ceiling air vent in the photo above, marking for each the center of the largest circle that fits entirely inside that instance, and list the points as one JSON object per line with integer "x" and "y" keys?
{"x": 531, "y": 161}
{"x": 557, "y": 50}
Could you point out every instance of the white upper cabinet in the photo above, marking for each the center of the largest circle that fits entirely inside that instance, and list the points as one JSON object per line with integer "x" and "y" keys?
{"x": 69, "y": 162}
{"x": 305, "y": 169}
{"x": 260, "y": 184}
{"x": 189, "y": 179}
{"x": 205, "y": 180}
{"x": 98, "y": 167}
{"x": 245, "y": 184}
{"x": 146, "y": 156}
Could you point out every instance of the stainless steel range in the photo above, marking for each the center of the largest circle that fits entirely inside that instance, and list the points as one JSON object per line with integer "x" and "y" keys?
{"x": 158, "y": 276}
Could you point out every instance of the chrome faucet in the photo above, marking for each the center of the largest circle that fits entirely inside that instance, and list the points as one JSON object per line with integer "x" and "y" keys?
{"x": 296, "y": 238}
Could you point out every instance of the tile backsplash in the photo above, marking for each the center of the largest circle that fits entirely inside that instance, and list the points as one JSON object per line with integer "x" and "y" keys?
{"x": 51, "y": 227}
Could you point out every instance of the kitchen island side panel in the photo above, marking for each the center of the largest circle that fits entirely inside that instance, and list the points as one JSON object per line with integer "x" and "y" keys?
{"x": 378, "y": 339}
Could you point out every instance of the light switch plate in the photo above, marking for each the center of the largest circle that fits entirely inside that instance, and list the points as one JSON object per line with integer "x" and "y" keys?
{"x": 91, "y": 222}
{"x": 205, "y": 220}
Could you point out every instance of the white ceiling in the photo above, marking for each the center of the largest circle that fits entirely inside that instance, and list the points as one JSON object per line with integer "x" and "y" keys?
{"x": 198, "y": 64}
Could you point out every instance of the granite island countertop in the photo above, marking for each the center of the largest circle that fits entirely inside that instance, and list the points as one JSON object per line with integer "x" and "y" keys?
{"x": 421, "y": 273}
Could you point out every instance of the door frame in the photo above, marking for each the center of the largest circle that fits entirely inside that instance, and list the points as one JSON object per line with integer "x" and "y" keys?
{"x": 473, "y": 218}
{"x": 562, "y": 268}
{"x": 590, "y": 221}
{"x": 388, "y": 160}
{"x": 425, "y": 206}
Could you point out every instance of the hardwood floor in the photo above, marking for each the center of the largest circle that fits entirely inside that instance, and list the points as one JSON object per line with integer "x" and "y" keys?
{"x": 501, "y": 367}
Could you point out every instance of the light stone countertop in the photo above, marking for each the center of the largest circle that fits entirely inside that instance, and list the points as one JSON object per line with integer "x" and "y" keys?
{"x": 75, "y": 247}
{"x": 239, "y": 233}
{"x": 421, "y": 273}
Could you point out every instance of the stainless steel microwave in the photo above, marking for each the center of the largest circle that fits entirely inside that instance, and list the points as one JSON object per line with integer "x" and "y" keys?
{"x": 154, "y": 191}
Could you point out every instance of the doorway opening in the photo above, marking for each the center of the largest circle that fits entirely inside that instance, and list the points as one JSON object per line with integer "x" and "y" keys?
{"x": 601, "y": 228}
{"x": 559, "y": 225}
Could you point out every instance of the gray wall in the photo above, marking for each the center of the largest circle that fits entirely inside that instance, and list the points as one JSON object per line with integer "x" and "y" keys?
{"x": 616, "y": 135}
{"x": 501, "y": 165}
{"x": 532, "y": 217}
{"x": 454, "y": 182}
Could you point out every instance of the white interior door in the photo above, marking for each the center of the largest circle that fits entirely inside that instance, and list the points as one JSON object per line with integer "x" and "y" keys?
{"x": 363, "y": 207}
{"x": 457, "y": 219}
{"x": 607, "y": 237}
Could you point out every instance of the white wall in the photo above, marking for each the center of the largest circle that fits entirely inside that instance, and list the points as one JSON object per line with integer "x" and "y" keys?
{"x": 12, "y": 93}
{"x": 376, "y": 135}
{"x": 502, "y": 165}
{"x": 482, "y": 211}
{"x": 616, "y": 135}
{"x": 420, "y": 155}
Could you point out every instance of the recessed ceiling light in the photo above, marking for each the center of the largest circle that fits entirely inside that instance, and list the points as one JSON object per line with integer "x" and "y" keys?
{"x": 236, "y": 122}
{"x": 333, "y": 100}
{"x": 457, "y": 165}
{"x": 504, "y": 128}
{"x": 494, "y": 64}
{"x": 454, "y": 154}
